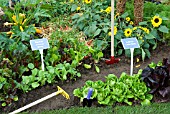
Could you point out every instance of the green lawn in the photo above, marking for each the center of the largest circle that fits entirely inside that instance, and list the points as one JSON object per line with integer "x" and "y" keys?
{"x": 156, "y": 108}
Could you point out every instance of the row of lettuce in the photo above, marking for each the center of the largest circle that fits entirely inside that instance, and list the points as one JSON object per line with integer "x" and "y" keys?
{"x": 152, "y": 81}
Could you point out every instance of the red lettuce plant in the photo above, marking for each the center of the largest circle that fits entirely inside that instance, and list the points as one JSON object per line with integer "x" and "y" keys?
{"x": 157, "y": 78}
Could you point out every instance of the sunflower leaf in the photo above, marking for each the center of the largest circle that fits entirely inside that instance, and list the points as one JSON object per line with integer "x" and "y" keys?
{"x": 163, "y": 29}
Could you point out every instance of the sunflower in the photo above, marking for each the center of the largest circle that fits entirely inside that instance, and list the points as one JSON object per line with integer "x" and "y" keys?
{"x": 108, "y": 9}
{"x": 127, "y": 19}
{"x": 87, "y": 1}
{"x": 128, "y": 32}
{"x": 134, "y": 28}
{"x": 131, "y": 22}
{"x": 117, "y": 14}
{"x": 115, "y": 30}
{"x": 156, "y": 21}
{"x": 146, "y": 30}
{"x": 78, "y": 8}
{"x": 109, "y": 33}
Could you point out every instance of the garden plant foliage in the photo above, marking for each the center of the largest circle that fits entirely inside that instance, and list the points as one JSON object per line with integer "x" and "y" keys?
{"x": 76, "y": 30}
{"x": 124, "y": 89}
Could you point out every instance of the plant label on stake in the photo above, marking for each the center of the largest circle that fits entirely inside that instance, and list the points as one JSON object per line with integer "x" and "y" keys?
{"x": 40, "y": 44}
{"x": 130, "y": 43}
{"x": 87, "y": 101}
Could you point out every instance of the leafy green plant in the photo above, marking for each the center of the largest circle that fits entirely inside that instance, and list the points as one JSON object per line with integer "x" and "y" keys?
{"x": 8, "y": 83}
{"x": 157, "y": 78}
{"x": 97, "y": 13}
{"x": 124, "y": 89}
{"x": 35, "y": 77}
{"x": 148, "y": 33}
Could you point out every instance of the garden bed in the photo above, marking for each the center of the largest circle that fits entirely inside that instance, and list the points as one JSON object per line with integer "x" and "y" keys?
{"x": 59, "y": 102}
{"x": 79, "y": 36}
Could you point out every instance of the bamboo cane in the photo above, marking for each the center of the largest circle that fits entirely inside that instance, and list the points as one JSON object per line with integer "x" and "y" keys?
{"x": 112, "y": 28}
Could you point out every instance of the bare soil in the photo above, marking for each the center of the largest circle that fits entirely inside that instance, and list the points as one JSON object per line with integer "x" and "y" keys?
{"x": 59, "y": 102}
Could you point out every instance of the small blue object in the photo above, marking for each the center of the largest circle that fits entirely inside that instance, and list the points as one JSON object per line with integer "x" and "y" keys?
{"x": 90, "y": 91}
{"x": 130, "y": 43}
{"x": 38, "y": 44}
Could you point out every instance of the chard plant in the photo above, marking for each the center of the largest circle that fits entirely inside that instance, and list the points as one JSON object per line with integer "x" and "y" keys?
{"x": 63, "y": 71}
{"x": 125, "y": 89}
{"x": 8, "y": 83}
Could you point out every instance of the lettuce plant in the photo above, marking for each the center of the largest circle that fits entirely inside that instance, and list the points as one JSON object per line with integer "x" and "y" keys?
{"x": 157, "y": 78}
{"x": 125, "y": 89}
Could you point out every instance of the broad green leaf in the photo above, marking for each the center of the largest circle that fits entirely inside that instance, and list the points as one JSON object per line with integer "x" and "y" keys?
{"x": 87, "y": 66}
{"x": 4, "y": 104}
{"x": 154, "y": 32}
{"x": 97, "y": 69}
{"x": 128, "y": 102}
{"x": 97, "y": 32}
{"x": 120, "y": 51}
{"x": 75, "y": 16}
{"x": 149, "y": 36}
{"x": 149, "y": 96}
{"x": 130, "y": 96}
{"x": 35, "y": 84}
{"x": 127, "y": 52}
{"x": 25, "y": 79}
{"x": 146, "y": 46}
{"x": 124, "y": 15}
{"x": 77, "y": 92}
{"x": 163, "y": 29}
{"x": 30, "y": 65}
{"x": 50, "y": 69}
{"x": 105, "y": 29}
{"x": 143, "y": 23}
{"x": 15, "y": 98}
{"x": 145, "y": 102}
{"x": 154, "y": 47}
{"x": 143, "y": 54}
{"x": 165, "y": 18}
{"x": 97, "y": 17}
{"x": 152, "y": 41}
{"x": 106, "y": 100}
{"x": 64, "y": 74}
{"x": 89, "y": 83}
{"x": 34, "y": 71}
{"x": 148, "y": 54}
{"x": 78, "y": 74}
{"x": 74, "y": 7}
{"x": 100, "y": 54}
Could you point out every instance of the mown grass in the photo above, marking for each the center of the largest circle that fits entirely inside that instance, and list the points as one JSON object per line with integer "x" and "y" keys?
{"x": 156, "y": 108}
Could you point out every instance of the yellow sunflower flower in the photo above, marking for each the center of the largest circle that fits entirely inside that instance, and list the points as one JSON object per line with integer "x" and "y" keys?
{"x": 131, "y": 22}
{"x": 115, "y": 30}
{"x": 127, "y": 19}
{"x": 109, "y": 33}
{"x": 88, "y": 1}
{"x": 134, "y": 28}
{"x": 128, "y": 32}
{"x": 78, "y": 8}
{"x": 156, "y": 21}
{"x": 71, "y": 1}
{"x": 108, "y": 9}
{"x": 146, "y": 30}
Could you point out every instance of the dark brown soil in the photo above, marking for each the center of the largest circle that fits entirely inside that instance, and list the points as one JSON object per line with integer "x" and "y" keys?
{"x": 59, "y": 102}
